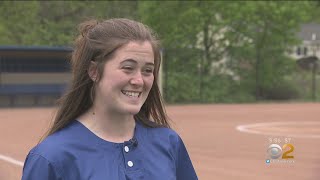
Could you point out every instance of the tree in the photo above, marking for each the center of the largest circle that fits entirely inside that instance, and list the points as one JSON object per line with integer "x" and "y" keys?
{"x": 251, "y": 37}
{"x": 186, "y": 28}
{"x": 53, "y": 22}
{"x": 214, "y": 51}
{"x": 268, "y": 30}
{"x": 18, "y": 21}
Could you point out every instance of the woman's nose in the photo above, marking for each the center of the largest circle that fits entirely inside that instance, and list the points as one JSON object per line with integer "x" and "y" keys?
{"x": 137, "y": 79}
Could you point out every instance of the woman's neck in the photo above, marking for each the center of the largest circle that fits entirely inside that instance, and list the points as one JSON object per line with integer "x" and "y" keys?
{"x": 110, "y": 126}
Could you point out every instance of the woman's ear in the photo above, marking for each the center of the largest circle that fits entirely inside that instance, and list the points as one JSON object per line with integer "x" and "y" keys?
{"x": 93, "y": 71}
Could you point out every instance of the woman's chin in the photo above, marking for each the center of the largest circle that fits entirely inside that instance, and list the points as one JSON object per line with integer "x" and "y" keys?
{"x": 133, "y": 110}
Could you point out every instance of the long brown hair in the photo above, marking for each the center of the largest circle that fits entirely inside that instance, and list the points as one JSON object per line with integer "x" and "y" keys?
{"x": 97, "y": 41}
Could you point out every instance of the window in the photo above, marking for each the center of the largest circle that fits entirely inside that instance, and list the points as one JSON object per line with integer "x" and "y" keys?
{"x": 298, "y": 51}
{"x": 305, "y": 51}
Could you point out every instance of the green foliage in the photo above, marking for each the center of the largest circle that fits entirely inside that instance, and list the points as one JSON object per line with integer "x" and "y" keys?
{"x": 181, "y": 88}
{"x": 53, "y": 22}
{"x": 267, "y": 30}
{"x": 18, "y": 22}
{"x": 256, "y": 36}
{"x": 251, "y": 37}
{"x": 281, "y": 91}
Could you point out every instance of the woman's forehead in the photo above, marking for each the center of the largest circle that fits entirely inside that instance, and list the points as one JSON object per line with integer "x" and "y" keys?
{"x": 141, "y": 51}
{"x": 137, "y": 46}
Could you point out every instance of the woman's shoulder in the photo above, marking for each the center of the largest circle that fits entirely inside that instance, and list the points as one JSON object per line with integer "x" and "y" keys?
{"x": 153, "y": 127}
{"x": 162, "y": 133}
{"x": 49, "y": 156}
{"x": 52, "y": 146}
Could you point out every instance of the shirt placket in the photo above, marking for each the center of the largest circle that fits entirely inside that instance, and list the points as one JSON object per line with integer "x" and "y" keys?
{"x": 132, "y": 161}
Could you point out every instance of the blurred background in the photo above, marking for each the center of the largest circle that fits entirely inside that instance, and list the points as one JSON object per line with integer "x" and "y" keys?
{"x": 225, "y": 64}
{"x": 213, "y": 51}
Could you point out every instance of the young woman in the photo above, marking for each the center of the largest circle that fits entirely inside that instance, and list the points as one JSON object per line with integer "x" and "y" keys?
{"x": 111, "y": 124}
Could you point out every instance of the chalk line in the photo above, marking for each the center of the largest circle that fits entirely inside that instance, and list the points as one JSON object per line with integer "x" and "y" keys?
{"x": 248, "y": 129}
{"x": 11, "y": 160}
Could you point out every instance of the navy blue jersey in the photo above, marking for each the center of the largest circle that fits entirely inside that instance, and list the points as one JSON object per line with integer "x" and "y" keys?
{"x": 75, "y": 153}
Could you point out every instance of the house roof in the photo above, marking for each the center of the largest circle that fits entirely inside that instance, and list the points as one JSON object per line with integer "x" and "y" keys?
{"x": 307, "y": 30}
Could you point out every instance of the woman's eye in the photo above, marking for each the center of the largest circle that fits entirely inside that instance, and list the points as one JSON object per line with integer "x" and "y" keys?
{"x": 127, "y": 68}
{"x": 149, "y": 70}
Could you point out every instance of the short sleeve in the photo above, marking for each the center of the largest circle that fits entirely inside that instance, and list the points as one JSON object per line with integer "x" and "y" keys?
{"x": 185, "y": 170}
{"x": 37, "y": 167}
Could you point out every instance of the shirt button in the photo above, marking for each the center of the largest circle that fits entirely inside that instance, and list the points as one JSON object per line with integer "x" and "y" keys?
{"x": 130, "y": 163}
{"x": 126, "y": 149}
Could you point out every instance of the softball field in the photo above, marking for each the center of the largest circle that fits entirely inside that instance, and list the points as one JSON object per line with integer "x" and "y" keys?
{"x": 225, "y": 142}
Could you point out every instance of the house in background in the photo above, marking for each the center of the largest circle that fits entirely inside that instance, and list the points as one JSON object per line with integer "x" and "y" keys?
{"x": 310, "y": 36}
{"x": 308, "y": 53}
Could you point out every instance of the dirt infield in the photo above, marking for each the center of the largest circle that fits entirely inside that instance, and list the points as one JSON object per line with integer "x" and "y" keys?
{"x": 217, "y": 148}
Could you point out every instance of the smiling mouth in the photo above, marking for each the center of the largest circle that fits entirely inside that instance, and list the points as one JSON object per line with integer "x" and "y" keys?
{"x": 131, "y": 94}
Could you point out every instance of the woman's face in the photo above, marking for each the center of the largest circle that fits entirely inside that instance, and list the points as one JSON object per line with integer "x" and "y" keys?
{"x": 127, "y": 78}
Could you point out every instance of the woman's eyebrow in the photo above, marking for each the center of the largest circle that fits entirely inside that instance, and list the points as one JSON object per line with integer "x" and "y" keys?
{"x": 150, "y": 64}
{"x": 129, "y": 60}
{"x": 135, "y": 62}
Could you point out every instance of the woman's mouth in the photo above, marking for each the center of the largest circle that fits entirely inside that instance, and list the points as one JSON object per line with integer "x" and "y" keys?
{"x": 132, "y": 94}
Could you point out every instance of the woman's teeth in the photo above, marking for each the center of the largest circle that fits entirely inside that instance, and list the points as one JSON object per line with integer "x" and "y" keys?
{"x": 131, "y": 94}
